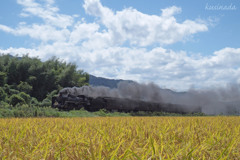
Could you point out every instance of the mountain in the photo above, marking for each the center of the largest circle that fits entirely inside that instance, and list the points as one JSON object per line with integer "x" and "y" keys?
{"x": 113, "y": 83}
{"x": 99, "y": 81}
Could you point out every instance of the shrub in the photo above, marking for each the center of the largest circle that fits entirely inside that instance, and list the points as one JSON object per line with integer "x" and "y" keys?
{"x": 13, "y": 91}
{"x": 2, "y": 78}
{"x": 50, "y": 95}
{"x": 4, "y": 105}
{"x": 24, "y": 87}
{"x": 6, "y": 88}
{"x": 4, "y": 112}
{"x": 16, "y": 99}
{"x": 102, "y": 112}
{"x": 46, "y": 102}
{"x": 34, "y": 101}
{"x": 3, "y": 95}
{"x": 26, "y": 97}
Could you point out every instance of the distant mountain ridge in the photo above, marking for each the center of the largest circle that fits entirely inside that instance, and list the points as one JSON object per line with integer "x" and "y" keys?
{"x": 113, "y": 83}
{"x": 188, "y": 98}
{"x": 100, "y": 81}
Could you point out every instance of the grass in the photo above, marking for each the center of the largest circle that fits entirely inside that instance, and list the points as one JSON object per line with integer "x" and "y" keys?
{"x": 120, "y": 138}
{"x": 35, "y": 111}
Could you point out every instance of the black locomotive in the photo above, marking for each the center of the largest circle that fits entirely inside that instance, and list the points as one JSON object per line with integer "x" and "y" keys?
{"x": 68, "y": 101}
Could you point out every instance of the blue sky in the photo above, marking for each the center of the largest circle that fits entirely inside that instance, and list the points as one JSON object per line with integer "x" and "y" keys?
{"x": 175, "y": 44}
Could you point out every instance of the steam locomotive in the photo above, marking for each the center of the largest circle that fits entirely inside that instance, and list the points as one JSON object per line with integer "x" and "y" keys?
{"x": 67, "y": 101}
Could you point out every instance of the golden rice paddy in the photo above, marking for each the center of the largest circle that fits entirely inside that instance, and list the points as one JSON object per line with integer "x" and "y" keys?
{"x": 120, "y": 138}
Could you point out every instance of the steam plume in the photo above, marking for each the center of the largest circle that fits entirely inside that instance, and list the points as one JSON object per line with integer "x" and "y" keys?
{"x": 225, "y": 100}
{"x": 145, "y": 92}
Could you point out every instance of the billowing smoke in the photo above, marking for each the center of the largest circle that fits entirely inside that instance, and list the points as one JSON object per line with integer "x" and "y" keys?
{"x": 145, "y": 92}
{"x": 225, "y": 100}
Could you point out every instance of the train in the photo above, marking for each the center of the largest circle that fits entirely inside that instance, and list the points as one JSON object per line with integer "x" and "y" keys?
{"x": 67, "y": 101}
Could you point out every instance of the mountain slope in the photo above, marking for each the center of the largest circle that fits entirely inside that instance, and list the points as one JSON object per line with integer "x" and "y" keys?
{"x": 99, "y": 81}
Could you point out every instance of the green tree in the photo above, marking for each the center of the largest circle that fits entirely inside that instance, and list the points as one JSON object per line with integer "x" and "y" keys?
{"x": 26, "y": 97}
{"x": 66, "y": 78}
{"x": 22, "y": 67}
{"x": 24, "y": 87}
{"x": 3, "y": 95}
{"x": 12, "y": 74}
{"x": 16, "y": 99}
{"x": 6, "y": 88}
{"x": 36, "y": 78}
{"x": 2, "y": 78}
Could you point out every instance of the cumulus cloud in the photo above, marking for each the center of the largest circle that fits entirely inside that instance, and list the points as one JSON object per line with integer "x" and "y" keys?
{"x": 143, "y": 29}
{"x": 176, "y": 70}
{"x": 83, "y": 31}
{"x": 6, "y": 28}
{"x": 46, "y": 11}
{"x": 21, "y": 51}
{"x": 127, "y": 25}
{"x": 98, "y": 47}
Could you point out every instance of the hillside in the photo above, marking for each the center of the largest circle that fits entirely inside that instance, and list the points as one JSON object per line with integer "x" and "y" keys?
{"x": 100, "y": 81}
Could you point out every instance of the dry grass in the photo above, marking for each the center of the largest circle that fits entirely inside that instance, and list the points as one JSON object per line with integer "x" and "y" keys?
{"x": 120, "y": 138}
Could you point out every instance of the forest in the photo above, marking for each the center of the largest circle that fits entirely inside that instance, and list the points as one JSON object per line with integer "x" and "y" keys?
{"x": 28, "y": 84}
{"x": 26, "y": 80}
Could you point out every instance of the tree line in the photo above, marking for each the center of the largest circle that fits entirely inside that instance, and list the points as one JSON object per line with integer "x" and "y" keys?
{"x": 26, "y": 80}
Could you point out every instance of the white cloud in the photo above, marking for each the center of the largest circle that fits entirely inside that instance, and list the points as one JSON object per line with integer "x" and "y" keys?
{"x": 230, "y": 57}
{"x": 175, "y": 70}
{"x": 21, "y": 52}
{"x": 41, "y": 32}
{"x": 143, "y": 29}
{"x": 6, "y": 28}
{"x": 83, "y": 31}
{"x": 47, "y": 12}
{"x": 168, "y": 12}
{"x": 97, "y": 46}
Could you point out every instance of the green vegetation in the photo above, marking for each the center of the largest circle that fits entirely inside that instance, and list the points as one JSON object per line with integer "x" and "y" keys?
{"x": 27, "y": 86}
{"x": 24, "y": 110}
{"x": 25, "y": 80}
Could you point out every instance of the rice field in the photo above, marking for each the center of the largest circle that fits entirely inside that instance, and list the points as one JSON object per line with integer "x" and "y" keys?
{"x": 120, "y": 138}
